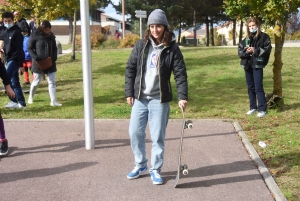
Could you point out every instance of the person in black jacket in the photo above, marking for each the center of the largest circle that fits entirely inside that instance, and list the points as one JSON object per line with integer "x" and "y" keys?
{"x": 9, "y": 91}
{"x": 148, "y": 91}
{"x": 41, "y": 45}
{"x": 14, "y": 57}
{"x": 2, "y": 32}
{"x": 254, "y": 52}
{"x": 32, "y": 25}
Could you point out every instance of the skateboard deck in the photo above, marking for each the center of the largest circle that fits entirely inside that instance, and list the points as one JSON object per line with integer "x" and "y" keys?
{"x": 182, "y": 168}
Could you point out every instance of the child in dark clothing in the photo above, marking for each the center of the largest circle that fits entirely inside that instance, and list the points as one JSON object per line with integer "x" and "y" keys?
{"x": 11, "y": 94}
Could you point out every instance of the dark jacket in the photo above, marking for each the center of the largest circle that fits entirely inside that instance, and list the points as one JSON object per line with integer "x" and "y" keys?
{"x": 2, "y": 32}
{"x": 13, "y": 45}
{"x": 32, "y": 26}
{"x": 22, "y": 23}
{"x": 171, "y": 59}
{"x": 262, "y": 49}
{"x": 39, "y": 48}
{"x": 3, "y": 75}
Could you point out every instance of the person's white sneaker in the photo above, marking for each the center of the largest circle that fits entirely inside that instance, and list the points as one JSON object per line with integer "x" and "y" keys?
{"x": 12, "y": 105}
{"x": 252, "y": 111}
{"x": 261, "y": 114}
{"x": 21, "y": 106}
{"x": 30, "y": 100}
{"x": 55, "y": 103}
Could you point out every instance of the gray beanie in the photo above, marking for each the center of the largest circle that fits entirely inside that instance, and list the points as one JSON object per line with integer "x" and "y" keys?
{"x": 157, "y": 17}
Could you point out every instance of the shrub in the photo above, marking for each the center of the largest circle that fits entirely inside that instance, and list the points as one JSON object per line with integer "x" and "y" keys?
{"x": 96, "y": 37}
{"x": 111, "y": 42}
{"x": 129, "y": 40}
{"x": 183, "y": 41}
{"x": 220, "y": 40}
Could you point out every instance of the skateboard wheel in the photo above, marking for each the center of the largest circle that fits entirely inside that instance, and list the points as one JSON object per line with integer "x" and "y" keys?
{"x": 189, "y": 124}
{"x": 185, "y": 169}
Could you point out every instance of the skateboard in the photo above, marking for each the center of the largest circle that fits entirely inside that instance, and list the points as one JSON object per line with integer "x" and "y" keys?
{"x": 182, "y": 168}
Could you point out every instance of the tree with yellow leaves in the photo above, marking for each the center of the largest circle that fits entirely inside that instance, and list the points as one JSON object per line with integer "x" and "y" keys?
{"x": 51, "y": 10}
{"x": 275, "y": 14}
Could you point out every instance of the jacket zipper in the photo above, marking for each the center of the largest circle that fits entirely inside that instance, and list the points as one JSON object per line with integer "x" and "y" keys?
{"x": 142, "y": 70}
{"x": 159, "y": 73}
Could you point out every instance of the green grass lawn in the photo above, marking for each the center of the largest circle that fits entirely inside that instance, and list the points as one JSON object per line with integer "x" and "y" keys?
{"x": 66, "y": 46}
{"x": 217, "y": 90}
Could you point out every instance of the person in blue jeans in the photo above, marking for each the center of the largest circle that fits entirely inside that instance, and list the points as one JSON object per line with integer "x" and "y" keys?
{"x": 148, "y": 91}
{"x": 254, "y": 52}
{"x": 14, "y": 57}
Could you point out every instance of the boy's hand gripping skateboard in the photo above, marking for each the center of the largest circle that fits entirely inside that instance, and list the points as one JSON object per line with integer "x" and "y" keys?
{"x": 182, "y": 168}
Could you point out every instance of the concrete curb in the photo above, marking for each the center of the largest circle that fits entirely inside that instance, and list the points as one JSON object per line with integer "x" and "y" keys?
{"x": 267, "y": 177}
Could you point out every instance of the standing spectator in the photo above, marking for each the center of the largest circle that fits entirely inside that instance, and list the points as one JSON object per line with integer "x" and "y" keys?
{"x": 11, "y": 94}
{"x": 21, "y": 22}
{"x": 14, "y": 57}
{"x": 254, "y": 57}
{"x": 117, "y": 35}
{"x": 148, "y": 91}
{"x": 2, "y": 32}
{"x": 32, "y": 25}
{"x": 28, "y": 61}
{"x": 41, "y": 45}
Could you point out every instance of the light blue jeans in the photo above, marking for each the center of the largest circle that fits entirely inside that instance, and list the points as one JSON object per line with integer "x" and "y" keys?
{"x": 157, "y": 114}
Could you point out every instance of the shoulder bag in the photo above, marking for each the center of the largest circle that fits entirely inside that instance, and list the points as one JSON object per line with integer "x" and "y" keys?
{"x": 46, "y": 63}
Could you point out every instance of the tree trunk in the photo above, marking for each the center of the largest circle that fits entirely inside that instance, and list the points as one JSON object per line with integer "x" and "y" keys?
{"x": 207, "y": 30}
{"x": 277, "y": 65}
{"x": 179, "y": 32}
{"x": 70, "y": 30}
{"x": 171, "y": 24}
{"x": 275, "y": 100}
{"x": 241, "y": 32}
{"x": 234, "y": 32}
{"x": 212, "y": 32}
{"x": 74, "y": 36}
{"x": 195, "y": 29}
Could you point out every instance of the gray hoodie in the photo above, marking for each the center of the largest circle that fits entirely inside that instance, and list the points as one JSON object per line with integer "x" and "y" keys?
{"x": 150, "y": 83}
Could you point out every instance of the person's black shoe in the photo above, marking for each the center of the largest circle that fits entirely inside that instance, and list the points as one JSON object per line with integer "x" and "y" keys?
{"x": 3, "y": 147}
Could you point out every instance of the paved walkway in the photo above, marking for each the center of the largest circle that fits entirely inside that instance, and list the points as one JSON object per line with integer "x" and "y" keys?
{"x": 48, "y": 161}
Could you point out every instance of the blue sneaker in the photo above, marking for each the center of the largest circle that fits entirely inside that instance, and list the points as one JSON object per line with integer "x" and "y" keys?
{"x": 136, "y": 172}
{"x": 155, "y": 176}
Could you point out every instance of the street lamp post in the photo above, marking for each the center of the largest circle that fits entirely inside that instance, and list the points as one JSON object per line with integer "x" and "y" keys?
{"x": 87, "y": 76}
{"x": 123, "y": 18}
